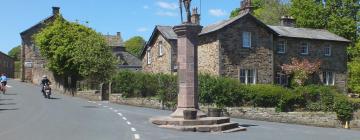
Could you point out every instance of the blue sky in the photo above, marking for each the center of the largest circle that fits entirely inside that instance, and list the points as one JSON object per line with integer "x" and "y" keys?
{"x": 130, "y": 17}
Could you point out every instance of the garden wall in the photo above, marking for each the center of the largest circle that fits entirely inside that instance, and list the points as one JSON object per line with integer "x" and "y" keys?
{"x": 322, "y": 119}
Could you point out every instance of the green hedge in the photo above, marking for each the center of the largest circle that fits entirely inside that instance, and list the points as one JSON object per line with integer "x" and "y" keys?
{"x": 228, "y": 92}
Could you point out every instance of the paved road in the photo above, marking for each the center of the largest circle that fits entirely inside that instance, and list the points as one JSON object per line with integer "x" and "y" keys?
{"x": 25, "y": 115}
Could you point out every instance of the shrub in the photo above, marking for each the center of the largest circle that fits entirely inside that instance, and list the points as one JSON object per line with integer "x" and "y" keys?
{"x": 343, "y": 108}
{"x": 166, "y": 91}
{"x": 265, "y": 95}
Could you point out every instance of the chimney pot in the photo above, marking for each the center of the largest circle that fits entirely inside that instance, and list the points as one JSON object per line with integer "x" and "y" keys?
{"x": 288, "y": 21}
{"x": 246, "y": 7}
{"x": 195, "y": 17}
{"x": 56, "y": 10}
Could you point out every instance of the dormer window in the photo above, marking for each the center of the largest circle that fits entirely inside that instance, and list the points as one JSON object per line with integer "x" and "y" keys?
{"x": 304, "y": 48}
{"x": 161, "y": 49}
{"x": 281, "y": 47}
{"x": 246, "y": 39}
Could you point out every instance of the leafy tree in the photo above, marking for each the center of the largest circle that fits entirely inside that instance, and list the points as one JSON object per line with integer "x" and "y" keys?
{"x": 268, "y": 11}
{"x": 15, "y": 53}
{"x": 75, "y": 51}
{"x": 135, "y": 45}
{"x": 308, "y": 13}
{"x": 354, "y": 68}
{"x": 338, "y": 16}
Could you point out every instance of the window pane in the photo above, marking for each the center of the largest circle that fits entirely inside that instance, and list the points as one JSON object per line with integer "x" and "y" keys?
{"x": 246, "y": 39}
{"x": 331, "y": 78}
{"x": 250, "y": 77}
{"x": 242, "y": 76}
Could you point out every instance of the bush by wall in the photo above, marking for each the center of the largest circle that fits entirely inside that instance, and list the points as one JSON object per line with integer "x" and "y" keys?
{"x": 228, "y": 92}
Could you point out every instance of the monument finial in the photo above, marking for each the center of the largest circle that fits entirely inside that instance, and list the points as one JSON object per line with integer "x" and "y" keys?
{"x": 187, "y": 5}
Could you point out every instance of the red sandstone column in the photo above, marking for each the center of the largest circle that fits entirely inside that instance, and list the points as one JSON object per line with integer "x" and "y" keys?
{"x": 187, "y": 69}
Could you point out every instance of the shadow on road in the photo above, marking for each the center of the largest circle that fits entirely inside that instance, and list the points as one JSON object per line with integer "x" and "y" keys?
{"x": 52, "y": 98}
{"x": 247, "y": 125}
{"x": 7, "y": 103}
{"x": 6, "y": 99}
{"x": 10, "y": 94}
{"x": 90, "y": 107}
{"x": 9, "y": 109}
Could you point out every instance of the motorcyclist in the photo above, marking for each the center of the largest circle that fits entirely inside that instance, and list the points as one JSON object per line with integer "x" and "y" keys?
{"x": 44, "y": 81}
{"x": 3, "y": 80}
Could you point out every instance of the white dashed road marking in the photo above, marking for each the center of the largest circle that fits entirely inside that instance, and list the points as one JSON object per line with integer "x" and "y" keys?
{"x": 99, "y": 104}
{"x": 8, "y": 86}
{"x": 124, "y": 118}
{"x": 137, "y": 136}
{"x": 133, "y": 129}
{"x": 111, "y": 108}
{"x": 129, "y": 123}
{"x": 120, "y": 114}
{"x": 115, "y": 111}
{"x": 105, "y": 106}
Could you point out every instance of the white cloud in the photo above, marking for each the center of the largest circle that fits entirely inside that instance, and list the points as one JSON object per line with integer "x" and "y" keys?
{"x": 167, "y": 5}
{"x": 142, "y": 29}
{"x": 146, "y": 7}
{"x": 217, "y": 12}
{"x": 167, "y": 14}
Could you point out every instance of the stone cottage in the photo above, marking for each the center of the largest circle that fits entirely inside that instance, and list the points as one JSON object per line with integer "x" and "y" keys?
{"x": 245, "y": 48}
{"x": 33, "y": 64}
{"x": 7, "y": 65}
{"x": 126, "y": 60}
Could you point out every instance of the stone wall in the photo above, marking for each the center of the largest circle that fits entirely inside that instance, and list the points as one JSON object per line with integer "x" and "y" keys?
{"x": 336, "y": 63}
{"x": 322, "y": 119}
{"x": 141, "y": 102}
{"x": 159, "y": 64}
{"x": 7, "y": 65}
{"x": 93, "y": 95}
{"x": 234, "y": 57}
{"x": 209, "y": 55}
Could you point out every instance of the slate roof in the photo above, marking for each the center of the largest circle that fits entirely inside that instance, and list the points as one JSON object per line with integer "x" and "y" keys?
{"x": 307, "y": 33}
{"x": 219, "y": 25}
{"x": 114, "y": 40}
{"x": 167, "y": 31}
{"x": 52, "y": 17}
{"x": 129, "y": 59}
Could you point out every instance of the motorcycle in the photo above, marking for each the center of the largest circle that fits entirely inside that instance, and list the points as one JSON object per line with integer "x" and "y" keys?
{"x": 47, "y": 91}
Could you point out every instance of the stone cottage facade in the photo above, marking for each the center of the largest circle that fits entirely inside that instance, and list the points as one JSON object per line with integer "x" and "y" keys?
{"x": 7, "y": 65}
{"x": 249, "y": 50}
{"x": 33, "y": 65}
{"x": 159, "y": 55}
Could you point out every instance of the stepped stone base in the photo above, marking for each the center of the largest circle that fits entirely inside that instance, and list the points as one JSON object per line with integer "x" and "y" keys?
{"x": 205, "y": 124}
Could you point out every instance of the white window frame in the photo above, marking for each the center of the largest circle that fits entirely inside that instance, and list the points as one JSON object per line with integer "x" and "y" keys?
{"x": 246, "y": 41}
{"x": 325, "y": 51}
{"x": 148, "y": 56}
{"x": 247, "y": 76}
{"x": 326, "y": 77}
{"x": 161, "y": 49}
{"x": 307, "y": 48}
{"x": 281, "y": 44}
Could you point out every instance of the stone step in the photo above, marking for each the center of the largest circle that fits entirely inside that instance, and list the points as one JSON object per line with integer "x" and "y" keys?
{"x": 216, "y": 127}
{"x": 235, "y": 130}
{"x": 183, "y": 122}
{"x": 225, "y": 127}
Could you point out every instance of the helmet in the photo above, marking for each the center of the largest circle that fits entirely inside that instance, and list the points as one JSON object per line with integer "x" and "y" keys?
{"x": 44, "y": 76}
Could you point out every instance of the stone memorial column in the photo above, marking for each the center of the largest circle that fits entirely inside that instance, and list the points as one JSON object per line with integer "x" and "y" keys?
{"x": 187, "y": 42}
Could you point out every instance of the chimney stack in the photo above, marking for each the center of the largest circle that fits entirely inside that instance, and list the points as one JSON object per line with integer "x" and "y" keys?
{"x": 246, "y": 7}
{"x": 56, "y": 10}
{"x": 288, "y": 21}
{"x": 195, "y": 17}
